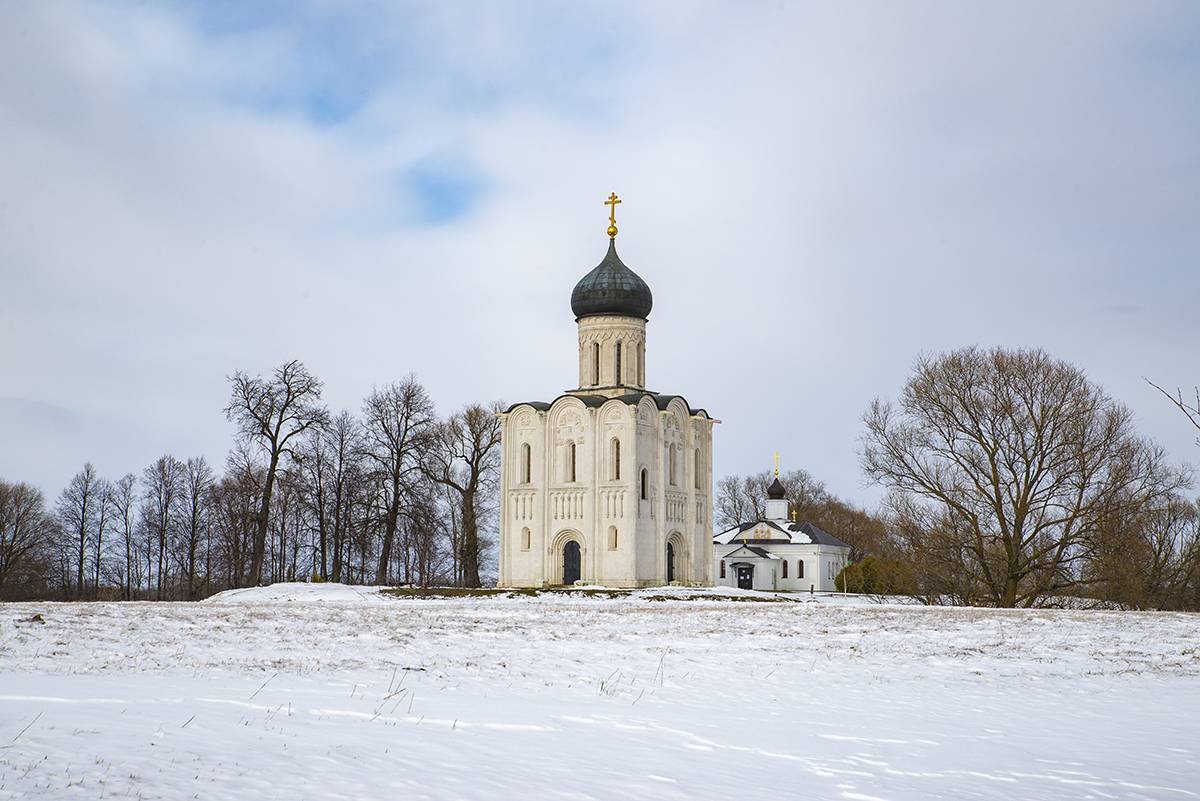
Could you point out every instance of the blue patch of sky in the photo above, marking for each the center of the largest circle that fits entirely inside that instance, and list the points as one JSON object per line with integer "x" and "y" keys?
{"x": 445, "y": 188}
{"x": 339, "y": 57}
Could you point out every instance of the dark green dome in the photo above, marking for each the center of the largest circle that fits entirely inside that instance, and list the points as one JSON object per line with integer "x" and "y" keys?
{"x": 612, "y": 288}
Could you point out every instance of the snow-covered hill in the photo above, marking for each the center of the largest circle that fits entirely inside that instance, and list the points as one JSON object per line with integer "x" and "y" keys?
{"x": 325, "y": 691}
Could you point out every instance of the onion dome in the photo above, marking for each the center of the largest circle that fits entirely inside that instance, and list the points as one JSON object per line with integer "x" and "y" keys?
{"x": 776, "y": 491}
{"x": 611, "y": 288}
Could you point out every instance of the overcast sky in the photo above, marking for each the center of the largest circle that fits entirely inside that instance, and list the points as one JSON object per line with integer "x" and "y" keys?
{"x": 815, "y": 192}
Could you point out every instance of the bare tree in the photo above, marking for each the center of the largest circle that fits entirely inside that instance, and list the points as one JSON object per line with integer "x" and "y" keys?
{"x": 1019, "y": 460}
{"x": 197, "y": 484}
{"x": 77, "y": 511}
{"x": 466, "y": 459}
{"x": 272, "y": 415}
{"x": 162, "y": 496}
{"x": 1192, "y": 412}
{"x": 122, "y": 500}
{"x": 25, "y": 529}
{"x": 330, "y": 471}
{"x": 398, "y": 425}
{"x": 237, "y": 500}
{"x": 741, "y": 500}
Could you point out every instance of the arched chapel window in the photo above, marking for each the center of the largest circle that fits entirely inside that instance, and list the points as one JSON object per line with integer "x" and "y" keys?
{"x": 799, "y": 568}
{"x": 784, "y": 574}
{"x": 722, "y": 568}
{"x": 526, "y": 463}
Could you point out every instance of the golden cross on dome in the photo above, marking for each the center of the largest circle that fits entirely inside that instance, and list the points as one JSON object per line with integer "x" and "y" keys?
{"x": 776, "y": 464}
{"x": 612, "y": 215}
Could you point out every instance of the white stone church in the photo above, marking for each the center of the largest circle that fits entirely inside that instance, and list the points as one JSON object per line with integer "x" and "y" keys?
{"x": 610, "y": 483}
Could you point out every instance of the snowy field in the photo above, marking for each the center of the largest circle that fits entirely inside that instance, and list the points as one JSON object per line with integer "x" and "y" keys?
{"x": 299, "y": 691}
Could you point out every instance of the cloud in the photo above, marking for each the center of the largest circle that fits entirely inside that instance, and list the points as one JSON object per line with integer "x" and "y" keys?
{"x": 815, "y": 193}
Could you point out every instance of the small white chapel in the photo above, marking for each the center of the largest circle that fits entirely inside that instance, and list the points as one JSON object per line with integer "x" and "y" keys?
{"x": 610, "y": 483}
{"x": 778, "y": 554}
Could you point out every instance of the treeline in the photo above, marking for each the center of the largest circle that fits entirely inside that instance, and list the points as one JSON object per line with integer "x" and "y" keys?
{"x": 1012, "y": 480}
{"x": 391, "y": 495}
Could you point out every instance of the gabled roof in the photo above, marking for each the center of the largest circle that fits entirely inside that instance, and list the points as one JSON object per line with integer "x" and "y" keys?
{"x": 754, "y": 552}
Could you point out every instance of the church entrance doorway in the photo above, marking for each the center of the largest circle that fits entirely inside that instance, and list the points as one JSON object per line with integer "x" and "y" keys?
{"x": 745, "y": 577}
{"x": 670, "y": 563}
{"x": 571, "y": 562}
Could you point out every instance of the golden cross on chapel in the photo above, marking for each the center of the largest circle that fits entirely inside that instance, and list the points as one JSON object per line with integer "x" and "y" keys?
{"x": 612, "y": 215}
{"x": 776, "y": 464}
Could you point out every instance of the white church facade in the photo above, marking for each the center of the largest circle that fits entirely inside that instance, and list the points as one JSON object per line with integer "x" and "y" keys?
{"x": 609, "y": 484}
{"x": 778, "y": 554}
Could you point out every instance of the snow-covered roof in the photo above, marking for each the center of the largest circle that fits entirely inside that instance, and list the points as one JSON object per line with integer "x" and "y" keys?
{"x": 778, "y": 532}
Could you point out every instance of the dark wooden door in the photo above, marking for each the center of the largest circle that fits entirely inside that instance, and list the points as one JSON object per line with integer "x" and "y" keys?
{"x": 571, "y": 562}
{"x": 670, "y": 563}
{"x": 745, "y": 577}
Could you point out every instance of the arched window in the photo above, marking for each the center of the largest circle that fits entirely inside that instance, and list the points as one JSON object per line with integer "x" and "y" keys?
{"x": 616, "y": 459}
{"x": 525, "y": 539}
{"x": 697, "y": 470}
{"x": 799, "y": 568}
{"x": 722, "y": 568}
{"x": 641, "y": 365}
{"x": 595, "y": 364}
{"x": 784, "y": 574}
{"x": 617, "y": 364}
{"x": 612, "y": 538}
{"x": 571, "y": 462}
{"x": 671, "y": 460}
{"x": 645, "y": 485}
{"x": 526, "y": 463}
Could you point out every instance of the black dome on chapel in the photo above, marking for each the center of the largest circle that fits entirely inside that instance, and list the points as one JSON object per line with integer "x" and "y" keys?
{"x": 776, "y": 491}
{"x": 612, "y": 288}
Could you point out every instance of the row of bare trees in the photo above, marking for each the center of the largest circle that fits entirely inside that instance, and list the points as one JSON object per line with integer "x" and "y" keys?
{"x": 394, "y": 494}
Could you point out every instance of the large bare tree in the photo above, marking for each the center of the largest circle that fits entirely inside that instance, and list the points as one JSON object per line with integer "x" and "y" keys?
{"x": 272, "y": 415}
{"x": 1018, "y": 461}
{"x": 25, "y": 528}
{"x": 398, "y": 426}
{"x": 466, "y": 460}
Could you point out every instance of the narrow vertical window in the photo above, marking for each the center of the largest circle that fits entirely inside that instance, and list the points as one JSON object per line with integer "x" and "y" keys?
{"x": 645, "y": 488}
{"x": 571, "y": 462}
{"x": 784, "y": 575}
{"x": 697, "y": 471}
{"x": 671, "y": 460}
{"x": 612, "y": 538}
{"x": 799, "y": 568}
{"x": 722, "y": 568}
{"x": 595, "y": 364}
{"x": 617, "y": 364}
{"x": 526, "y": 463}
{"x": 616, "y": 460}
{"x": 525, "y": 539}
{"x": 641, "y": 365}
